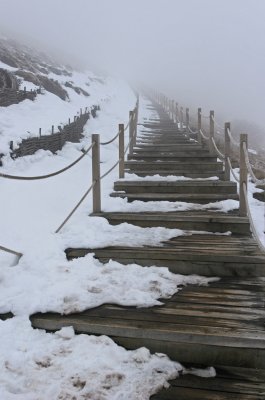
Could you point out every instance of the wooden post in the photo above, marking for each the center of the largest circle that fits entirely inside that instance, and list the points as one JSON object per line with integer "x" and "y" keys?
{"x": 181, "y": 119}
{"x": 199, "y": 137}
{"x": 121, "y": 151}
{"x": 187, "y": 120}
{"x": 177, "y": 113}
{"x": 52, "y": 129}
{"x": 69, "y": 121}
{"x": 39, "y": 132}
{"x": 172, "y": 110}
{"x": 227, "y": 151}
{"x": 131, "y": 129}
{"x": 96, "y": 173}
{"x": 211, "y": 146}
{"x": 243, "y": 176}
{"x": 136, "y": 116}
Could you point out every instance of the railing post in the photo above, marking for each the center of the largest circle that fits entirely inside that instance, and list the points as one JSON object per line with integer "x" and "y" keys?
{"x": 136, "y": 116}
{"x": 211, "y": 146}
{"x": 131, "y": 128}
{"x": 187, "y": 120}
{"x": 181, "y": 119}
{"x": 227, "y": 151}
{"x": 172, "y": 110}
{"x": 177, "y": 113}
{"x": 199, "y": 137}
{"x": 96, "y": 173}
{"x": 134, "y": 127}
{"x": 121, "y": 151}
{"x": 243, "y": 176}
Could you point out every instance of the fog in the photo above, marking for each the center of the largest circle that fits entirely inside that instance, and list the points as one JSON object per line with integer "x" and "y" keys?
{"x": 208, "y": 53}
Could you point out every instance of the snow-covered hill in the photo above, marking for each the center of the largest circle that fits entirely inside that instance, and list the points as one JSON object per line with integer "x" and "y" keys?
{"x": 64, "y": 92}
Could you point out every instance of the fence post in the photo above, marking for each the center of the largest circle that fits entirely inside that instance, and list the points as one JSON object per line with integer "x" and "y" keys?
{"x": 199, "y": 137}
{"x": 177, "y": 113}
{"x": 172, "y": 110}
{"x": 227, "y": 151}
{"x": 181, "y": 119}
{"x": 211, "y": 146}
{"x": 39, "y": 132}
{"x": 131, "y": 128}
{"x": 134, "y": 127}
{"x": 243, "y": 176}
{"x": 187, "y": 120}
{"x": 52, "y": 129}
{"x": 121, "y": 151}
{"x": 96, "y": 173}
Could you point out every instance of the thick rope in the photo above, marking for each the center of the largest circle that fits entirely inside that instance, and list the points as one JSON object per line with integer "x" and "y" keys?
{"x": 234, "y": 142}
{"x": 249, "y": 167}
{"x": 221, "y": 155}
{"x": 111, "y": 169}
{"x": 231, "y": 169}
{"x": 76, "y": 207}
{"x": 7, "y": 250}
{"x": 191, "y": 131}
{"x": 111, "y": 140}
{"x": 253, "y": 228}
{"x": 38, "y": 177}
{"x": 216, "y": 123}
{"x": 115, "y": 137}
{"x": 203, "y": 136}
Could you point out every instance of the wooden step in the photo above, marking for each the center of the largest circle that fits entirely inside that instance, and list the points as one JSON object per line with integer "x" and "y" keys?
{"x": 205, "y": 325}
{"x": 194, "y": 188}
{"x": 201, "y": 198}
{"x": 230, "y": 383}
{"x": 189, "y": 174}
{"x": 211, "y": 222}
{"x": 168, "y": 147}
{"x": 208, "y": 255}
{"x": 172, "y": 153}
{"x": 174, "y": 165}
{"x": 171, "y": 156}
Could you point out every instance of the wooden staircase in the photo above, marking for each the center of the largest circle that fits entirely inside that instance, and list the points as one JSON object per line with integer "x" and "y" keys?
{"x": 221, "y": 325}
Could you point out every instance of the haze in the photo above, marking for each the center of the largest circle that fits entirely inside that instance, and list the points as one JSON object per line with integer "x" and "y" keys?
{"x": 208, "y": 53}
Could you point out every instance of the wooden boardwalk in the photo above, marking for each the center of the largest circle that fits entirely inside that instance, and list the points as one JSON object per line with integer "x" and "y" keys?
{"x": 221, "y": 325}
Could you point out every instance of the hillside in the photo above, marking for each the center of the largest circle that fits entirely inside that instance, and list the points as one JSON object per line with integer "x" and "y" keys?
{"x": 60, "y": 93}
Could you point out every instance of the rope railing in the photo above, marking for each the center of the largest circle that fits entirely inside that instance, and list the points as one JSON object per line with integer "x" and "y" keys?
{"x": 234, "y": 142}
{"x": 116, "y": 136}
{"x": 191, "y": 131}
{"x": 203, "y": 136}
{"x": 111, "y": 140}
{"x": 232, "y": 170}
{"x": 249, "y": 167}
{"x": 7, "y": 250}
{"x": 216, "y": 123}
{"x": 76, "y": 207}
{"x": 38, "y": 177}
{"x": 96, "y": 177}
{"x": 220, "y": 154}
{"x": 253, "y": 228}
{"x": 245, "y": 167}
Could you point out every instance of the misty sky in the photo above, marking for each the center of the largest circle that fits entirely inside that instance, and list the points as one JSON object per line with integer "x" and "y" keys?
{"x": 208, "y": 53}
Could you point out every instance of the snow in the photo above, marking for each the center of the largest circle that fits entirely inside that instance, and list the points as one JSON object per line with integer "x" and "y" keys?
{"x": 47, "y": 366}
{"x": 172, "y": 178}
{"x": 119, "y": 204}
{"x": 43, "y": 280}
